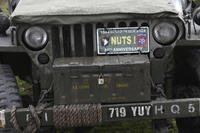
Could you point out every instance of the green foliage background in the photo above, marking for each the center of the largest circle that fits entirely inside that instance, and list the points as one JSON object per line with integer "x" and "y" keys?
{"x": 198, "y": 1}
{"x": 4, "y": 5}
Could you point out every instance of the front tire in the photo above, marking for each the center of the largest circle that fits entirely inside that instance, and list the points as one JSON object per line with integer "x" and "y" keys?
{"x": 187, "y": 83}
{"x": 9, "y": 92}
{"x": 186, "y": 125}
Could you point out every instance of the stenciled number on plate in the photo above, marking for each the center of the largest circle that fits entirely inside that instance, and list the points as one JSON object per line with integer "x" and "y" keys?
{"x": 145, "y": 110}
{"x": 191, "y": 108}
{"x": 117, "y": 112}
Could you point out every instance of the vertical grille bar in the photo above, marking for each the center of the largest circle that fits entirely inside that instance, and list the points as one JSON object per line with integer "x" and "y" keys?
{"x": 72, "y": 40}
{"x": 116, "y": 24}
{"x": 61, "y": 41}
{"x": 128, "y": 24}
{"x": 83, "y": 39}
{"x": 94, "y": 39}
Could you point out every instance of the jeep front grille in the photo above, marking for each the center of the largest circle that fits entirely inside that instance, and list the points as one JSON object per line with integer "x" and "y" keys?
{"x": 80, "y": 39}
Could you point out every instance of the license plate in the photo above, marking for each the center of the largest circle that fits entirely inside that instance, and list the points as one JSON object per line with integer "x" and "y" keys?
{"x": 155, "y": 110}
{"x": 123, "y": 40}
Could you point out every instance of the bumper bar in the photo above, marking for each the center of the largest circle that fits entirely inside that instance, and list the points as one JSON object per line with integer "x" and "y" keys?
{"x": 89, "y": 115}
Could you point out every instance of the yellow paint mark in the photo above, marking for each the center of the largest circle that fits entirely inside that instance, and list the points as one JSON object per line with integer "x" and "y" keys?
{"x": 122, "y": 40}
{"x": 113, "y": 40}
{"x": 129, "y": 40}
{"x": 119, "y": 40}
{"x": 84, "y": 86}
{"x": 122, "y": 85}
{"x": 134, "y": 40}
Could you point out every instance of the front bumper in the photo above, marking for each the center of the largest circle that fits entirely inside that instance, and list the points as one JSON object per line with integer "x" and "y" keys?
{"x": 62, "y": 116}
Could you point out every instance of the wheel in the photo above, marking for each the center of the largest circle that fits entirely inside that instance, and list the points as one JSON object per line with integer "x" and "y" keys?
{"x": 161, "y": 126}
{"x": 9, "y": 93}
{"x": 187, "y": 84}
{"x": 186, "y": 125}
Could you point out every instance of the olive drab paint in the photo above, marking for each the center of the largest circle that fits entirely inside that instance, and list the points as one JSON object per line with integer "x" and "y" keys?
{"x": 113, "y": 62}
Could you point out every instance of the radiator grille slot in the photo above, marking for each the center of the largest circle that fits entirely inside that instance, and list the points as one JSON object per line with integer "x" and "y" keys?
{"x": 122, "y": 24}
{"x": 89, "y": 40}
{"x": 80, "y": 39}
{"x": 67, "y": 41}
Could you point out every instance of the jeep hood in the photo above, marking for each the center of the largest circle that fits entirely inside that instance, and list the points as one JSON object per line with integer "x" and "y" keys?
{"x": 80, "y": 11}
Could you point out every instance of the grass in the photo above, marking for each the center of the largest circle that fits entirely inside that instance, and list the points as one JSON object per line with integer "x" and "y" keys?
{"x": 135, "y": 126}
{"x": 4, "y": 6}
{"x": 25, "y": 88}
{"x": 197, "y": 1}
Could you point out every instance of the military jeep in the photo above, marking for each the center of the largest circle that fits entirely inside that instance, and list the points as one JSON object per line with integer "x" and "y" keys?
{"x": 91, "y": 62}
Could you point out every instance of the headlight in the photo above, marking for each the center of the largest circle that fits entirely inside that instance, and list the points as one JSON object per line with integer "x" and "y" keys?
{"x": 165, "y": 33}
{"x": 35, "y": 38}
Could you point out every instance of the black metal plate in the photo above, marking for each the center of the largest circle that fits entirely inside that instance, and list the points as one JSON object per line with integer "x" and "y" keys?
{"x": 155, "y": 110}
{"x": 123, "y": 40}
